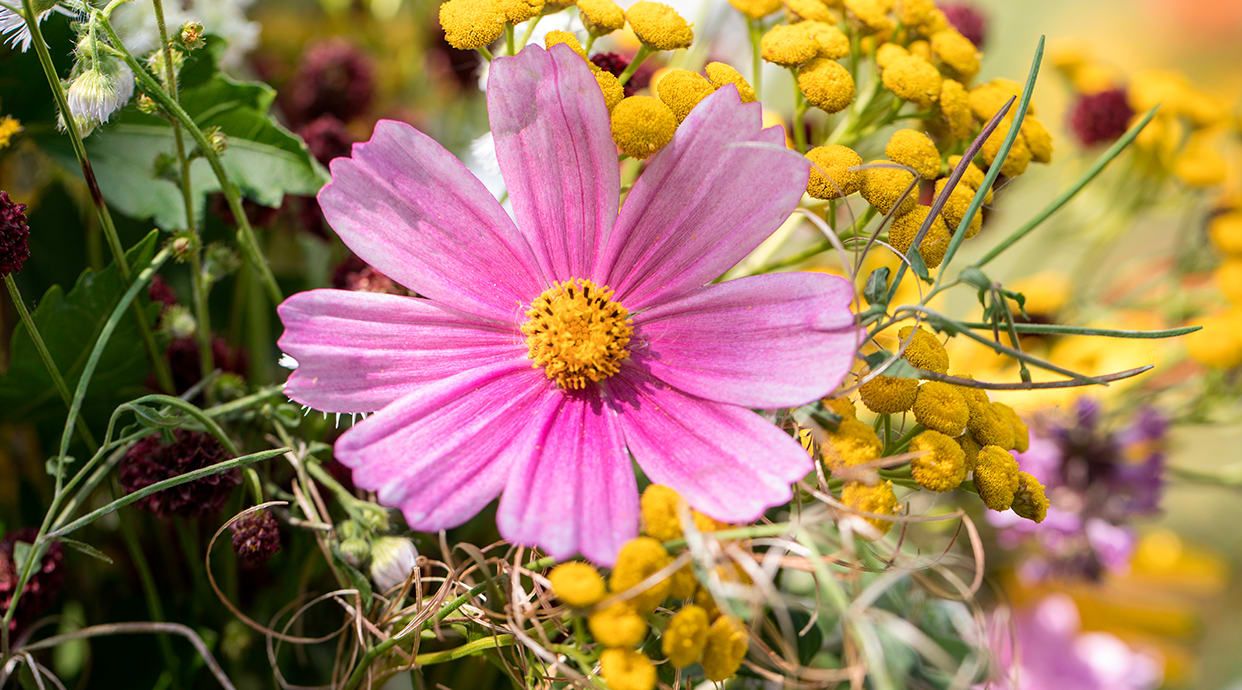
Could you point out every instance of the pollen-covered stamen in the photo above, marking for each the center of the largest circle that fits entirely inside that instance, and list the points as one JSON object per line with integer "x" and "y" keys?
{"x": 577, "y": 333}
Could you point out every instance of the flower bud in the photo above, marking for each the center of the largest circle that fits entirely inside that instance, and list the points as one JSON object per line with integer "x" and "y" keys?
{"x": 98, "y": 91}
{"x": 146, "y": 104}
{"x": 218, "y": 139}
{"x": 392, "y": 561}
{"x": 191, "y": 35}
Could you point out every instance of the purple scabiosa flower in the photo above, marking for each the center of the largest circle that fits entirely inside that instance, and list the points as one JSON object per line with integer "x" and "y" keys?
{"x": 256, "y": 537}
{"x": 335, "y": 78}
{"x": 153, "y": 460}
{"x": 1102, "y": 117}
{"x": 14, "y": 235}
{"x": 968, "y": 20}
{"x": 1044, "y": 648}
{"x": 44, "y": 584}
{"x": 549, "y": 351}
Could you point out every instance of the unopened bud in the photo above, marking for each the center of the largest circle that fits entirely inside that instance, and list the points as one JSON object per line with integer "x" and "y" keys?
{"x": 192, "y": 35}
{"x": 392, "y": 561}
{"x": 147, "y": 105}
{"x": 181, "y": 247}
{"x": 355, "y": 551}
{"x": 218, "y": 139}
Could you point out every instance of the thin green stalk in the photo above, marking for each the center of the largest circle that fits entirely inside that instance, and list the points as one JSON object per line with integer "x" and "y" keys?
{"x": 510, "y": 40}
{"x": 428, "y": 658}
{"x": 817, "y": 248}
{"x": 487, "y": 54}
{"x": 1073, "y": 190}
{"x": 1061, "y": 329}
{"x": 756, "y": 60}
{"x": 799, "y": 115}
{"x": 163, "y": 375}
{"x": 643, "y": 53}
{"x": 245, "y": 234}
{"x": 44, "y": 354}
{"x": 530, "y": 31}
{"x": 150, "y": 592}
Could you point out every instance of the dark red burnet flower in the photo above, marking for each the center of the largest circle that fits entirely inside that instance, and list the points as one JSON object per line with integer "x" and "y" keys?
{"x": 327, "y": 138}
{"x": 615, "y": 64}
{"x": 14, "y": 235}
{"x": 968, "y": 21}
{"x": 355, "y": 274}
{"x": 187, "y": 369}
{"x": 256, "y": 537}
{"x": 335, "y": 78}
{"x": 160, "y": 291}
{"x": 44, "y": 584}
{"x": 153, "y": 459}
{"x": 1102, "y": 117}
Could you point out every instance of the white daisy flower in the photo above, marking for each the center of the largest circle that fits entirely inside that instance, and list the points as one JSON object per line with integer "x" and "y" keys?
{"x": 13, "y": 28}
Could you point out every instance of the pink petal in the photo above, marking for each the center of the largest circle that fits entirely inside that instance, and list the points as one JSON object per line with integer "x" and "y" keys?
{"x": 359, "y": 351}
{"x": 410, "y": 209}
{"x": 726, "y": 461}
{"x": 443, "y": 452}
{"x": 574, "y": 490}
{"x": 768, "y": 341}
{"x": 556, "y": 154}
{"x": 704, "y": 202}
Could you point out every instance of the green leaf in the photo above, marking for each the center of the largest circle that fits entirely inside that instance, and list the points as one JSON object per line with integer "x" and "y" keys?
{"x": 876, "y": 290}
{"x": 70, "y": 323}
{"x": 87, "y": 549}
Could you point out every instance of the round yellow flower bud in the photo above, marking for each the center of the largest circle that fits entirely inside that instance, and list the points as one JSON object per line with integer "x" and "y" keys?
{"x": 683, "y": 583}
{"x": 920, "y": 49}
{"x": 471, "y": 24}
{"x": 956, "y": 52}
{"x": 972, "y": 177}
{"x": 940, "y": 407}
{"x": 756, "y": 9}
{"x": 601, "y": 17}
{"x": 955, "y": 207}
{"x": 915, "y": 149}
{"x": 725, "y": 648}
{"x": 831, "y": 41}
{"x": 681, "y": 90}
{"x": 564, "y": 38}
{"x": 720, "y": 74}
{"x": 642, "y": 125}
{"x": 905, "y": 227}
{"x": 996, "y": 477}
{"x": 871, "y": 15}
{"x": 638, "y": 559}
{"x": 617, "y": 625}
{"x": 788, "y": 45}
{"x": 955, "y": 110}
{"x": 942, "y": 463}
{"x": 917, "y": 13}
{"x": 853, "y": 443}
{"x": 826, "y": 84}
{"x": 1019, "y": 157}
{"x": 1228, "y": 278}
{"x": 659, "y": 26}
{"x": 887, "y": 53}
{"x": 518, "y": 11}
{"x": 877, "y": 499}
{"x": 578, "y": 584}
{"x": 660, "y": 510}
{"x": 1037, "y": 139}
{"x": 924, "y": 350}
{"x": 990, "y": 427}
{"x": 1225, "y": 232}
{"x": 833, "y": 172}
{"x": 611, "y": 87}
{"x": 811, "y": 10}
{"x": 626, "y": 669}
{"x": 1021, "y": 434}
{"x": 888, "y": 188}
{"x": 888, "y": 394}
{"x": 1029, "y": 500}
{"x": 842, "y": 407}
{"x": 970, "y": 451}
{"x": 686, "y": 636}
{"x": 912, "y": 78}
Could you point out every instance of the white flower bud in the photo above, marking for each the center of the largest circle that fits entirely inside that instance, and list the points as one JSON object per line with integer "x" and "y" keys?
{"x": 392, "y": 561}
{"x": 100, "y": 90}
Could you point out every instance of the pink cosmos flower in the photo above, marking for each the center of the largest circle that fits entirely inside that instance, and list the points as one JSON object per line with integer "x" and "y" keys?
{"x": 543, "y": 354}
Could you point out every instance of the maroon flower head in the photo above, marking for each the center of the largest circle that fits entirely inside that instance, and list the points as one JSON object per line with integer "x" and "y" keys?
{"x": 153, "y": 460}
{"x": 354, "y": 274}
{"x": 160, "y": 291}
{"x": 14, "y": 235}
{"x": 44, "y": 584}
{"x": 615, "y": 65}
{"x": 327, "y": 138}
{"x": 256, "y": 537}
{"x": 1099, "y": 118}
{"x": 335, "y": 78}
{"x": 968, "y": 21}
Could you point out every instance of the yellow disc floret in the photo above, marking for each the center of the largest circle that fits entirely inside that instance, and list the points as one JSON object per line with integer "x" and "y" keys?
{"x": 1030, "y": 501}
{"x": 721, "y": 74}
{"x": 1021, "y": 434}
{"x": 888, "y": 394}
{"x": 875, "y": 500}
{"x": 972, "y": 177}
{"x": 788, "y": 45}
{"x": 913, "y": 79}
{"x": 955, "y": 110}
{"x": 681, "y": 90}
{"x": 941, "y": 407}
{"x": 686, "y": 636}
{"x": 853, "y": 443}
{"x": 826, "y": 84}
{"x": 924, "y": 350}
{"x": 956, "y": 52}
{"x": 471, "y": 24}
{"x": 564, "y": 38}
{"x": 990, "y": 425}
{"x": 941, "y": 463}
{"x": 996, "y": 477}
{"x": 915, "y": 149}
{"x": 611, "y": 87}
{"x": 577, "y": 334}
{"x": 834, "y": 171}
{"x": 617, "y": 625}
{"x": 905, "y": 228}
{"x": 642, "y": 125}
{"x": 659, "y": 508}
{"x": 577, "y": 584}
{"x": 727, "y": 642}
{"x": 518, "y": 11}
{"x": 756, "y": 9}
{"x": 871, "y": 15}
{"x": 832, "y": 42}
{"x": 955, "y": 207}
{"x": 601, "y": 17}
{"x": 637, "y": 560}
{"x": 889, "y": 188}
{"x": 659, "y": 26}
{"x": 626, "y": 669}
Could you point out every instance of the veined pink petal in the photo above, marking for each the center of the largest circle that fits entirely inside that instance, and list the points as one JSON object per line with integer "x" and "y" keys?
{"x": 409, "y": 208}
{"x": 442, "y": 452}
{"x": 556, "y": 154}
{"x": 770, "y": 341}
{"x": 573, "y": 491}
{"x": 705, "y": 201}
{"x": 726, "y": 461}
{"x": 359, "y": 351}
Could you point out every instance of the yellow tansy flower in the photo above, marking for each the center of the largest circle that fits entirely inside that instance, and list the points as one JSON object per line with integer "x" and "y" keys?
{"x": 756, "y": 9}
{"x": 942, "y": 463}
{"x": 721, "y": 74}
{"x": 915, "y": 149}
{"x": 890, "y": 189}
{"x": 877, "y": 499}
{"x": 955, "y": 110}
{"x": 626, "y": 669}
{"x": 686, "y": 636}
{"x": 1029, "y": 500}
{"x": 996, "y": 477}
{"x": 9, "y": 128}
{"x": 888, "y": 394}
{"x": 905, "y": 227}
{"x": 826, "y": 84}
{"x": 659, "y": 26}
{"x": 912, "y": 78}
{"x": 1225, "y": 232}
{"x": 578, "y": 584}
{"x": 940, "y": 407}
{"x": 471, "y": 24}
{"x": 601, "y": 17}
{"x": 642, "y": 125}
{"x": 617, "y": 625}
{"x": 834, "y": 172}
{"x": 853, "y": 443}
{"x": 638, "y": 559}
{"x": 681, "y": 90}
{"x": 956, "y": 52}
{"x": 725, "y": 648}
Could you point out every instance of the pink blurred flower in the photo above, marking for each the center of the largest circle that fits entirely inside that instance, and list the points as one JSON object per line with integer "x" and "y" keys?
{"x": 464, "y": 414}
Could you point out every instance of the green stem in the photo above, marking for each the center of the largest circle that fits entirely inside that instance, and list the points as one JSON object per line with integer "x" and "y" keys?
{"x": 510, "y": 41}
{"x": 756, "y": 60}
{"x": 245, "y": 234}
{"x": 799, "y": 115}
{"x": 427, "y": 659}
{"x": 149, "y": 590}
{"x": 163, "y": 374}
{"x": 530, "y": 31}
{"x": 903, "y": 442}
{"x": 641, "y": 56}
{"x": 819, "y": 247}
{"x": 1061, "y": 329}
{"x": 48, "y": 363}
{"x": 487, "y": 54}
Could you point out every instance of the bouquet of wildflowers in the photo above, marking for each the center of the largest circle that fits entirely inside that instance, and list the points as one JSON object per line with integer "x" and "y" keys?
{"x": 693, "y": 367}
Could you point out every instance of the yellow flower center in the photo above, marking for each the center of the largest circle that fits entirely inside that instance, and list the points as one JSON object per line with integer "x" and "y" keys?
{"x": 577, "y": 333}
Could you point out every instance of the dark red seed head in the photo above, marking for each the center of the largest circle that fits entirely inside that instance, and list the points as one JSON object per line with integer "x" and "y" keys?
{"x": 153, "y": 460}
{"x": 1100, "y": 118}
{"x": 968, "y": 21}
{"x": 14, "y": 235}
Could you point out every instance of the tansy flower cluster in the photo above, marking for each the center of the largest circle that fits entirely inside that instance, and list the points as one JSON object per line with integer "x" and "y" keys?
{"x": 647, "y": 606}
